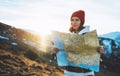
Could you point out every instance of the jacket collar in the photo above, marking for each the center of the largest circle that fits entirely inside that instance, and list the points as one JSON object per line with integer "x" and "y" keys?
{"x": 86, "y": 29}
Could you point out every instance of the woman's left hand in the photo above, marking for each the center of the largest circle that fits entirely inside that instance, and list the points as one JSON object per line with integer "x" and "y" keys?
{"x": 100, "y": 49}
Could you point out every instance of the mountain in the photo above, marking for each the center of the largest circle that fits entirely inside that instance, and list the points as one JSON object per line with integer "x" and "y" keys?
{"x": 21, "y": 55}
{"x": 111, "y": 35}
{"x": 111, "y": 57}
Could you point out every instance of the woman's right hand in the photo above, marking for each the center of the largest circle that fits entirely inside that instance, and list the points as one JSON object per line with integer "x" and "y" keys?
{"x": 54, "y": 50}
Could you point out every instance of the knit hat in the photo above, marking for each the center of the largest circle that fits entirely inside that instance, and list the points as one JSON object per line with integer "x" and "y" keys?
{"x": 80, "y": 14}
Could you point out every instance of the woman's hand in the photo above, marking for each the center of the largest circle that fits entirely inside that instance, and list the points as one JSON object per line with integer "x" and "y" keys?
{"x": 54, "y": 50}
{"x": 100, "y": 49}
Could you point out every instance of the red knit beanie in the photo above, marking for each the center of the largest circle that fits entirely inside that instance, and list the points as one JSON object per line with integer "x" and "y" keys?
{"x": 80, "y": 14}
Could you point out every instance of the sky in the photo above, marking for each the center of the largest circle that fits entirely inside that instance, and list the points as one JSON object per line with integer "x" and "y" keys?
{"x": 43, "y": 16}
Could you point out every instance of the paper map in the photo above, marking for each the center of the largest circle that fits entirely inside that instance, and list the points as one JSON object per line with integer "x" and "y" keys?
{"x": 81, "y": 49}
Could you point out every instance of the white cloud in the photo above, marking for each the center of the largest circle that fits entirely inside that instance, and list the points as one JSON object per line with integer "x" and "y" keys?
{"x": 55, "y": 14}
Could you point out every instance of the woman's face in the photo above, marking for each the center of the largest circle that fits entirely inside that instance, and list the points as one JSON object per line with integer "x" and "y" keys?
{"x": 75, "y": 22}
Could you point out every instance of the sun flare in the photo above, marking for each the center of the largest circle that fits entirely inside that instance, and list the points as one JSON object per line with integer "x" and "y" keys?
{"x": 45, "y": 41}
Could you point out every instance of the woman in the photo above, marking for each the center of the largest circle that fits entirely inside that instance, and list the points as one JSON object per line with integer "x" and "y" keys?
{"x": 77, "y": 26}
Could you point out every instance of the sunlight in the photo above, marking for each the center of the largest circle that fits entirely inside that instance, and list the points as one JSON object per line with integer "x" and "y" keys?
{"x": 45, "y": 42}
{"x": 41, "y": 31}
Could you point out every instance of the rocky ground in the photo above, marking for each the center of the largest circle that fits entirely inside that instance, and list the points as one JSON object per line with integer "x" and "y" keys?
{"x": 14, "y": 65}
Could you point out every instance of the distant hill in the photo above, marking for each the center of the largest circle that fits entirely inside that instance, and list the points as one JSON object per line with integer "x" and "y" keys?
{"x": 111, "y": 57}
{"x": 111, "y": 35}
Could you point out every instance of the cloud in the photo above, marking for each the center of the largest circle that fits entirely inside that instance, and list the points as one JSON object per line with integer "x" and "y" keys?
{"x": 55, "y": 14}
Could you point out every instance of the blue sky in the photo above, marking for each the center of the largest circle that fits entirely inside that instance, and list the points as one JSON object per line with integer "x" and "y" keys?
{"x": 42, "y": 15}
